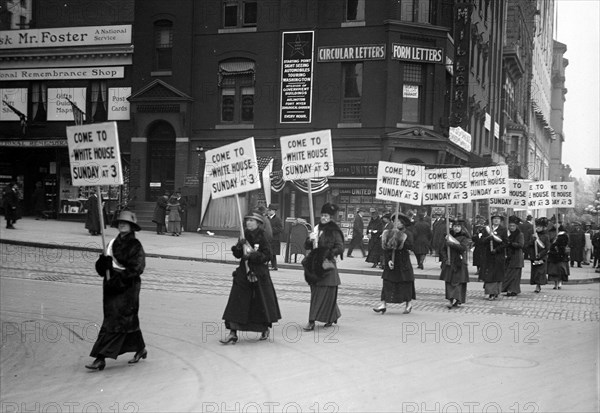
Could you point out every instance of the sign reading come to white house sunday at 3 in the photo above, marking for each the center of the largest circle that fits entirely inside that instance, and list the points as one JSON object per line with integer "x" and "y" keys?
{"x": 307, "y": 155}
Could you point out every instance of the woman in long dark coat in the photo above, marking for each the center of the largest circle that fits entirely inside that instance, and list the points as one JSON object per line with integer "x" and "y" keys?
{"x": 478, "y": 244}
{"x": 455, "y": 268}
{"x": 160, "y": 212}
{"x": 558, "y": 259}
{"x": 398, "y": 275}
{"x": 92, "y": 217}
{"x": 326, "y": 243}
{"x": 537, "y": 250}
{"x": 422, "y": 239}
{"x": 374, "y": 230}
{"x": 121, "y": 268}
{"x": 252, "y": 304}
{"x": 514, "y": 258}
{"x": 493, "y": 269}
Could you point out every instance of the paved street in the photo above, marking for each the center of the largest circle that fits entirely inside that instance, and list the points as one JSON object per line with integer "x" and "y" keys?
{"x": 533, "y": 353}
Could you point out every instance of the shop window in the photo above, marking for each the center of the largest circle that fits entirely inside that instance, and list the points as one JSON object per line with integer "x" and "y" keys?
{"x": 39, "y": 99}
{"x": 412, "y": 92}
{"x": 352, "y": 75}
{"x": 163, "y": 45}
{"x": 238, "y": 13}
{"x": 355, "y": 10}
{"x": 416, "y": 11}
{"x": 99, "y": 99}
{"x": 236, "y": 83}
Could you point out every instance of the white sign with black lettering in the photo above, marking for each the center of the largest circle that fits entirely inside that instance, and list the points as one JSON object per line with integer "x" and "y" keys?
{"x": 518, "y": 195}
{"x": 539, "y": 195}
{"x": 118, "y": 105}
{"x": 487, "y": 182}
{"x": 446, "y": 186}
{"x": 398, "y": 182}
{"x": 232, "y": 169}
{"x": 94, "y": 154}
{"x": 307, "y": 155}
{"x": 563, "y": 194}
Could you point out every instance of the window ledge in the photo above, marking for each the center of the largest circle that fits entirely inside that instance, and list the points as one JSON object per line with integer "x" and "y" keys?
{"x": 162, "y": 73}
{"x": 236, "y": 126}
{"x": 238, "y": 30}
{"x": 412, "y": 125}
{"x": 354, "y": 24}
{"x": 349, "y": 125}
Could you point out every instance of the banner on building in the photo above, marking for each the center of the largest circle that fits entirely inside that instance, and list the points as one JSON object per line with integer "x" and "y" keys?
{"x": 563, "y": 194}
{"x": 487, "y": 182}
{"x": 307, "y": 155}
{"x": 296, "y": 76}
{"x": 446, "y": 186}
{"x": 397, "y": 182}
{"x": 66, "y": 37}
{"x": 94, "y": 154}
{"x": 232, "y": 169}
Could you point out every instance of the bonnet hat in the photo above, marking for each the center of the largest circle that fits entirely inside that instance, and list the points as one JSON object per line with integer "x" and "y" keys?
{"x": 130, "y": 218}
{"x": 329, "y": 208}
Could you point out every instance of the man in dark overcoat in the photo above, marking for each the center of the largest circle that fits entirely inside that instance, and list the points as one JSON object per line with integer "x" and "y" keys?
{"x": 277, "y": 229}
{"x": 358, "y": 231}
{"x": 160, "y": 212}
{"x": 526, "y": 228}
{"x": 10, "y": 199}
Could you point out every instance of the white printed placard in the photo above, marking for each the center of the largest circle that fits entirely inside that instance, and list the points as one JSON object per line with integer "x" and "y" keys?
{"x": 446, "y": 186}
{"x": 232, "y": 169}
{"x": 539, "y": 195}
{"x": 59, "y": 108}
{"x": 563, "y": 194}
{"x": 17, "y": 98}
{"x": 307, "y": 155}
{"x": 398, "y": 182}
{"x": 487, "y": 182}
{"x": 94, "y": 154}
{"x": 118, "y": 105}
{"x": 518, "y": 195}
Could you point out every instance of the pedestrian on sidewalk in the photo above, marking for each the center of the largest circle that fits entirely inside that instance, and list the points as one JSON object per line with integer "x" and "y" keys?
{"x": 38, "y": 201}
{"x": 252, "y": 304}
{"x": 174, "y": 213}
{"x": 398, "y": 275}
{"x": 10, "y": 200}
{"x": 374, "y": 231}
{"x": 121, "y": 268}
{"x": 514, "y": 258}
{"x": 588, "y": 248}
{"x": 325, "y": 243}
{"x": 576, "y": 243}
{"x": 358, "y": 231}
{"x": 558, "y": 259}
{"x": 596, "y": 249}
{"x": 537, "y": 249}
{"x": 422, "y": 239}
{"x": 160, "y": 213}
{"x": 493, "y": 269}
{"x": 276, "y": 228}
{"x": 92, "y": 217}
{"x": 455, "y": 268}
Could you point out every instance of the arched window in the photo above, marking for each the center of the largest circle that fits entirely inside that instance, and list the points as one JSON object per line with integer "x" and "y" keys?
{"x": 163, "y": 45}
{"x": 236, "y": 83}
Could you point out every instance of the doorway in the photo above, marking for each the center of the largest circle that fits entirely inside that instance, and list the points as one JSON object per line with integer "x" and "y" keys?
{"x": 160, "y": 171}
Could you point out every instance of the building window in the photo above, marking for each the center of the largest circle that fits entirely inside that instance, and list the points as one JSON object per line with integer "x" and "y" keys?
{"x": 355, "y": 10}
{"x": 39, "y": 99}
{"x": 352, "y": 75}
{"x": 98, "y": 99}
{"x": 163, "y": 45}
{"x": 416, "y": 11}
{"x": 412, "y": 92}
{"x": 239, "y": 13}
{"x": 236, "y": 83}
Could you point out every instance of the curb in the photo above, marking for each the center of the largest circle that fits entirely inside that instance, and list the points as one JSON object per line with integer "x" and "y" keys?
{"x": 428, "y": 276}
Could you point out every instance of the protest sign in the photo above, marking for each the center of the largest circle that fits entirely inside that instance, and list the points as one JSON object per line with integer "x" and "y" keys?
{"x": 563, "y": 194}
{"x": 539, "y": 195}
{"x": 446, "y": 186}
{"x": 399, "y": 182}
{"x": 307, "y": 155}
{"x": 232, "y": 169}
{"x": 489, "y": 182}
{"x": 94, "y": 154}
{"x": 518, "y": 195}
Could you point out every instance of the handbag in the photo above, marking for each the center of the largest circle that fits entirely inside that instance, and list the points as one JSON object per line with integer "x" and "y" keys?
{"x": 328, "y": 264}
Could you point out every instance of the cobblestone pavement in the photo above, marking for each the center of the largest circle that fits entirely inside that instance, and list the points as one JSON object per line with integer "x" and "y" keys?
{"x": 54, "y": 265}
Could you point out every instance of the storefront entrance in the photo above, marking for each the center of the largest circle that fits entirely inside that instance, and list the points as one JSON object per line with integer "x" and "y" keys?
{"x": 161, "y": 160}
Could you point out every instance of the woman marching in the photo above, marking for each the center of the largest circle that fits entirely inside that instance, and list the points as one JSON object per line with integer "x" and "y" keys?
{"x": 492, "y": 270}
{"x": 514, "y": 258}
{"x": 558, "y": 259}
{"x": 325, "y": 242}
{"x": 537, "y": 250}
{"x": 398, "y": 275}
{"x": 455, "y": 268}
{"x": 252, "y": 304}
{"x": 121, "y": 268}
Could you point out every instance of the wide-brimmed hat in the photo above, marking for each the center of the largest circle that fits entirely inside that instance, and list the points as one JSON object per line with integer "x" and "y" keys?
{"x": 273, "y": 207}
{"x": 330, "y": 209}
{"x": 255, "y": 216}
{"x": 541, "y": 222}
{"x": 130, "y": 218}
{"x": 497, "y": 215}
{"x": 402, "y": 218}
{"x": 513, "y": 219}
{"x": 458, "y": 221}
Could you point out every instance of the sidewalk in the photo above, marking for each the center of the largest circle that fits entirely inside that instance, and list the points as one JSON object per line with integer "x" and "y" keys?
{"x": 203, "y": 247}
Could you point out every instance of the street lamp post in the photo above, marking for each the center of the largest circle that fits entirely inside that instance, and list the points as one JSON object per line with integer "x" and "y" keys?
{"x": 201, "y": 166}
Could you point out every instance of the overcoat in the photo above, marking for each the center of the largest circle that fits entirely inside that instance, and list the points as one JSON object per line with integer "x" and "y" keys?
{"x": 375, "y": 229}
{"x": 92, "y": 217}
{"x": 160, "y": 210}
{"x": 493, "y": 268}
{"x": 558, "y": 258}
{"x": 514, "y": 249}
{"x": 576, "y": 240}
{"x": 455, "y": 269}
{"x": 422, "y": 237}
{"x": 276, "y": 228}
{"x": 538, "y": 261}
{"x": 330, "y": 245}
{"x": 393, "y": 246}
{"x": 10, "y": 200}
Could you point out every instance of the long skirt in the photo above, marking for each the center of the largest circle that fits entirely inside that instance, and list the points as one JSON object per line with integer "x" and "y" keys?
{"x": 492, "y": 288}
{"x": 538, "y": 275}
{"x": 558, "y": 271}
{"x": 398, "y": 292}
{"x": 174, "y": 227}
{"x": 456, "y": 291}
{"x": 111, "y": 345}
{"x": 323, "y": 304}
{"x": 512, "y": 282}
